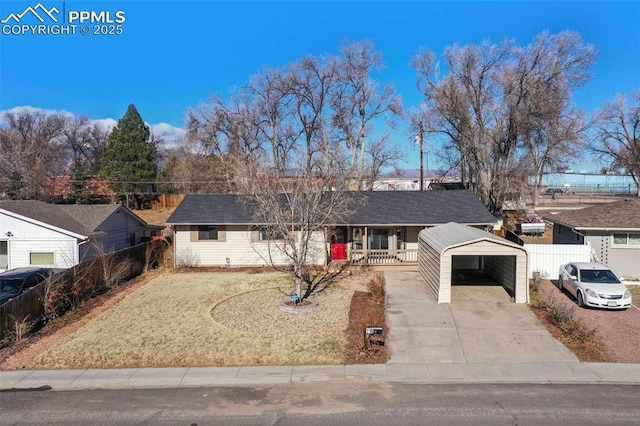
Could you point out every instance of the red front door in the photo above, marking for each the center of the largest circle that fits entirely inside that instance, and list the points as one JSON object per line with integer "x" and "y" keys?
{"x": 338, "y": 251}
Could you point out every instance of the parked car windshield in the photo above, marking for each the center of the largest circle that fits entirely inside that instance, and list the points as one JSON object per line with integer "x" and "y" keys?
{"x": 10, "y": 285}
{"x": 603, "y": 276}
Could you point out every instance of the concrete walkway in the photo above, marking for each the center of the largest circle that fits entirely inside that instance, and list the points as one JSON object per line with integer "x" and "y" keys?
{"x": 481, "y": 325}
{"x": 430, "y": 373}
{"x": 484, "y": 340}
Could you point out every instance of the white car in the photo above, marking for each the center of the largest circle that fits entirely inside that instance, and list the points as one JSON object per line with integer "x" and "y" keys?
{"x": 595, "y": 285}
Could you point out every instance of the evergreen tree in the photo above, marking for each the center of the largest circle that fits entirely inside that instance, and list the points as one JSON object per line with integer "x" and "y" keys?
{"x": 130, "y": 159}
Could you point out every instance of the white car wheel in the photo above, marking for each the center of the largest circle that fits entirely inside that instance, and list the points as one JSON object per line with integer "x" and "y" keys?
{"x": 580, "y": 300}
{"x": 560, "y": 284}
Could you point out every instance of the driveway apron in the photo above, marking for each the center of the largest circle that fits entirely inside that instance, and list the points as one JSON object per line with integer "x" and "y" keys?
{"x": 481, "y": 325}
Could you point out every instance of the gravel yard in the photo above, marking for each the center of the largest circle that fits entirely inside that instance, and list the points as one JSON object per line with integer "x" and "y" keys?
{"x": 619, "y": 331}
{"x": 208, "y": 319}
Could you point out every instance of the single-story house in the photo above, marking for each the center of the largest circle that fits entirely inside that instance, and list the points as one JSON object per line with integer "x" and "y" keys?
{"x": 220, "y": 230}
{"x": 34, "y": 233}
{"x": 612, "y": 230}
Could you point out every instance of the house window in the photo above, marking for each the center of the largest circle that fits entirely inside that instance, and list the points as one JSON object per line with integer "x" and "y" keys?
{"x": 41, "y": 259}
{"x": 270, "y": 234}
{"x": 357, "y": 238}
{"x": 207, "y": 232}
{"x": 626, "y": 239}
{"x": 4, "y": 255}
{"x": 380, "y": 239}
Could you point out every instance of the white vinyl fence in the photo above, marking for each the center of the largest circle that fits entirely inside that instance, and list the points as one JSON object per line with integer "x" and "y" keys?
{"x": 547, "y": 258}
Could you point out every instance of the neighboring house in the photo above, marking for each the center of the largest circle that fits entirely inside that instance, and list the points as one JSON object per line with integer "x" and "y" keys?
{"x": 34, "y": 233}
{"x": 612, "y": 230}
{"x": 219, "y": 230}
{"x": 399, "y": 184}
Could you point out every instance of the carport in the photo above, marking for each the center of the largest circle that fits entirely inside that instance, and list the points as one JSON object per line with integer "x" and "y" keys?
{"x": 446, "y": 249}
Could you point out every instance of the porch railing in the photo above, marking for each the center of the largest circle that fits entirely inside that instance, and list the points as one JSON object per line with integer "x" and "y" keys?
{"x": 384, "y": 257}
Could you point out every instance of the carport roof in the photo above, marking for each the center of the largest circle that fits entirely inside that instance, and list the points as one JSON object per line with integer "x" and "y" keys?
{"x": 453, "y": 234}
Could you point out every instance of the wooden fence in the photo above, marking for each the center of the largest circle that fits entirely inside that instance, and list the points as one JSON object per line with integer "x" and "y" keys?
{"x": 69, "y": 288}
{"x": 167, "y": 201}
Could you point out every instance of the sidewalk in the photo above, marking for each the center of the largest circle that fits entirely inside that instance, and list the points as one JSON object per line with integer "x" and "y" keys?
{"x": 149, "y": 378}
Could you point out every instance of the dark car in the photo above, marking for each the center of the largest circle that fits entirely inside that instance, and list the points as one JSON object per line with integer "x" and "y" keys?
{"x": 552, "y": 191}
{"x": 16, "y": 281}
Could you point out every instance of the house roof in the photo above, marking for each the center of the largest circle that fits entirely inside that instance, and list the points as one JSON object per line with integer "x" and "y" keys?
{"x": 78, "y": 219}
{"x": 379, "y": 208}
{"x": 618, "y": 215}
{"x": 451, "y": 234}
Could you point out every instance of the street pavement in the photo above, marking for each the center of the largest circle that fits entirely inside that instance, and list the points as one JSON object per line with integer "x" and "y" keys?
{"x": 476, "y": 339}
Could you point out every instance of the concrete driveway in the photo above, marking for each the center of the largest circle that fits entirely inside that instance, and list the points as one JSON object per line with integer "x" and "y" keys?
{"x": 481, "y": 325}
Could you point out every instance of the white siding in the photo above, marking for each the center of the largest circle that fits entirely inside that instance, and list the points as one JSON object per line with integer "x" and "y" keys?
{"x": 64, "y": 252}
{"x": 31, "y": 238}
{"x": 547, "y": 258}
{"x": 238, "y": 249}
{"x": 429, "y": 267}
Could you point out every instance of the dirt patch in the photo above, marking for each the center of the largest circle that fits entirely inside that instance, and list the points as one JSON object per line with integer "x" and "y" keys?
{"x": 155, "y": 216}
{"x": 617, "y": 333}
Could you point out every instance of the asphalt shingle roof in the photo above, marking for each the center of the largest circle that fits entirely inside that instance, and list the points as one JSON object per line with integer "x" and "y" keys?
{"x": 620, "y": 214}
{"x": 79, "y": 219}
{"x": 380, "y": 208}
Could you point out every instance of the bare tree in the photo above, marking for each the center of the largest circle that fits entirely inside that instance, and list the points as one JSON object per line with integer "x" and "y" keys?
{"x": 189, "y": 172}
{"x": 271, "y": 107}
{"x": 227, "y": 131}
{"x": 358, "y": 101}
{"x": 86, "y": 140}
{"x": 310, "y": 82}
{"x": 497, "y": 100}
{"x": 307, "y": 105}
{"x": 294, "y": 213}
{"x": 617, "y": 135}
{"x": 545, "y": 73}
{"x": 31, "y": 152}
{"x": 381, "y": 154}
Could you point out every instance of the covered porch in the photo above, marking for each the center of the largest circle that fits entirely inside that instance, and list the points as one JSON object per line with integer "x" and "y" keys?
{"x": 376, "y": 246}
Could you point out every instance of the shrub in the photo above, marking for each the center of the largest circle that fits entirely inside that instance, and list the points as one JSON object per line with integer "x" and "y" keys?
{"x": 187, "y": 259}
{"x": 376, "y": 287}
{"x": 20, "y": 328}
{"x": 564, "y": 317}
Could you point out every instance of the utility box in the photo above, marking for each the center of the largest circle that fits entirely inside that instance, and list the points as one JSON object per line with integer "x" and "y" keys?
{"x": 536, "y": 228}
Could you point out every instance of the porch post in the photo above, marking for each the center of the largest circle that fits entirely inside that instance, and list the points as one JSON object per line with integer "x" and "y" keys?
{"x": 365, "y": 244}
{"x": 394, "y": 241}
{"x": 327, "y": 248}
{"x": 349, "y": 240}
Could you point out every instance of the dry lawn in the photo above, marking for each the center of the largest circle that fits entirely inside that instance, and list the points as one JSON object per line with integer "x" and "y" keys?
{"x": 207, "y": 319}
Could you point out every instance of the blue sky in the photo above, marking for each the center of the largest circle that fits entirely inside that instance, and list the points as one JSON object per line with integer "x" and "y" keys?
{"x": 174, "y": 55}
